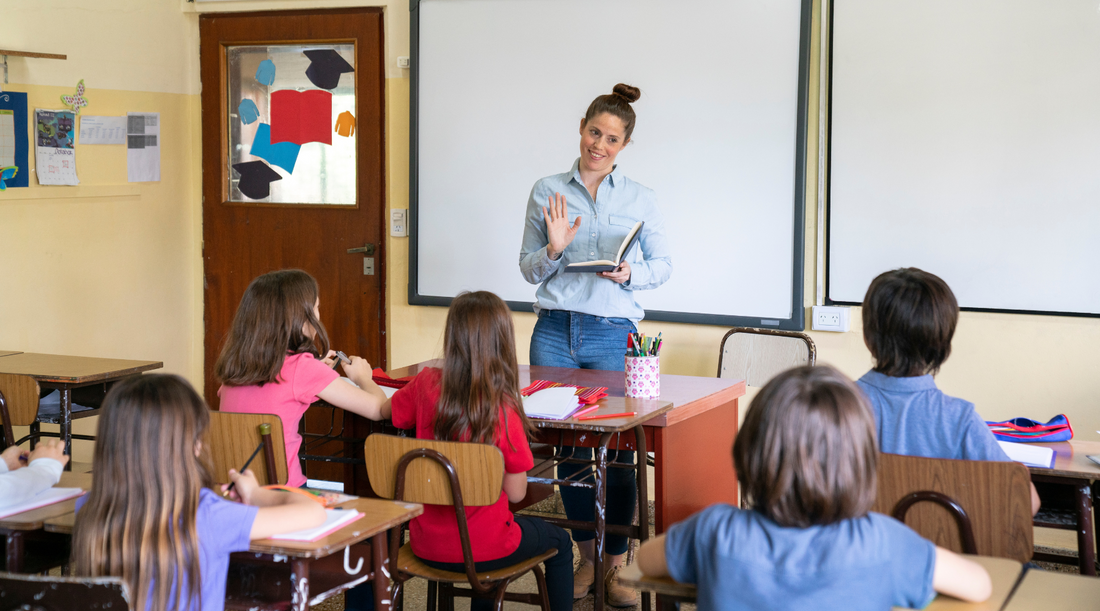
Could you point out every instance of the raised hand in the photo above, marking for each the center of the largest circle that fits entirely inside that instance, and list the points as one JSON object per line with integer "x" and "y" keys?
{"x": 557, "y": 226}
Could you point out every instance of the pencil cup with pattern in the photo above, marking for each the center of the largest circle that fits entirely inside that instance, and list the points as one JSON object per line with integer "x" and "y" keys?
{"x": 643, "y": 377}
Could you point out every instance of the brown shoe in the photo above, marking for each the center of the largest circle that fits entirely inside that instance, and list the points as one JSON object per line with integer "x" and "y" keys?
{"x": 618, "y": 595}
{"x": 583, "y": 580}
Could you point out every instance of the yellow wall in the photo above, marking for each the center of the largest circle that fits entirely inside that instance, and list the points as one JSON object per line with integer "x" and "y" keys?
{"x": 114, "y": 269}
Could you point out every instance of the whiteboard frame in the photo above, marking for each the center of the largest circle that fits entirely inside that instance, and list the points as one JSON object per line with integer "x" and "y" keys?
{"x": 797, "y": 320}
{"x": 828, "y": 207}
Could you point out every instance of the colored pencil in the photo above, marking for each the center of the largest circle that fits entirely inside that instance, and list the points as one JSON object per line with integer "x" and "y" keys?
{"x": 602, "y": 416}
{"x": 249, "y": 462}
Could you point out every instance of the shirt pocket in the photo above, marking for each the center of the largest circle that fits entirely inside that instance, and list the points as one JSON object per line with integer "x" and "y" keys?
{"x": 617, "y": 229}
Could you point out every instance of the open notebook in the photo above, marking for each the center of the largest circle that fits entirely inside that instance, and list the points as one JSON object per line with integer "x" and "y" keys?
{"x": 1032, "y": 456}
{"x": 552, "y": 403}
{"x": 46, "y": 497}
{"x": 335, "y": 519}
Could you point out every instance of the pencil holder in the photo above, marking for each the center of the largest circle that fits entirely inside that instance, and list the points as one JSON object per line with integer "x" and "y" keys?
{"x": 643, "y": 377}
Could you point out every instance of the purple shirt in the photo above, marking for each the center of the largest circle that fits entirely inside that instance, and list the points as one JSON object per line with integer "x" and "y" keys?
{"x": 223, "y": 527}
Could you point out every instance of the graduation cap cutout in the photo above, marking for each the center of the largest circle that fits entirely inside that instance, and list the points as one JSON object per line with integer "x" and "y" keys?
{"x": 256, "y": 179}
{"x": 325, "y": 67}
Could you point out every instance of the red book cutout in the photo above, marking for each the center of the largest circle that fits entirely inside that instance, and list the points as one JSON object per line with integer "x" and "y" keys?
{"x": 301, "y": 116}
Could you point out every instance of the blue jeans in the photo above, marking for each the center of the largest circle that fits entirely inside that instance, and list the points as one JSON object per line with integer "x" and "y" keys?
{"x": 583, "y": 341}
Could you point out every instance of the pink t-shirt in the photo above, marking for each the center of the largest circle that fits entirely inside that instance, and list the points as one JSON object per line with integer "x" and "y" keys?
{"x": 300, "y": 379}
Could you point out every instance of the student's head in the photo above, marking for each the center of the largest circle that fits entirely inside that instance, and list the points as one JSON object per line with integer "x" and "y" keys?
{"x": 909, "y": 318}
{"x": 480, "y": 372}
{"x": 806, "y": 453}
{"x": 139, "y": 519}
{"x": 278, "y": 315}
{"x": 606, "y": 128}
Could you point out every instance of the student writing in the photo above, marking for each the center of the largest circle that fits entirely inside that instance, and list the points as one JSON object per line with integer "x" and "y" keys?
{"x": 20, "y": 482}
{"x": 152, "y": 517}
{"x": 909, "y": 318}
{"x": 475, "y": 397}
{"x": 272, "y": 360}
{"x": 806, "y": 460}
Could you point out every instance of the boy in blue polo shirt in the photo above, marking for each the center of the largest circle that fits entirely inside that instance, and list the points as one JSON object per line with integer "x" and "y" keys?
{"x": 909, "y": 318}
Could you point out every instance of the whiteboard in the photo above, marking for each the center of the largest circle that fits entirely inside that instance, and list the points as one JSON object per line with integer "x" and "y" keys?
{"x": 966, "y": 141}
{"x": 500, "y": 87}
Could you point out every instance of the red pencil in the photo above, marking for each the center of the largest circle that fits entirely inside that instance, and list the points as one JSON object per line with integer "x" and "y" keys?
{"x": 602, "y": 416}
{"x": 586, "y": 410}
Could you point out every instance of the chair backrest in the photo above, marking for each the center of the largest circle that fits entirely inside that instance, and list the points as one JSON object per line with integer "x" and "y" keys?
{"x": 758, "y": 355}
{"x": 40, "y": 593}
{"x": 18, "y": 403}
{"x": 995, "y": 495}
{"x": 233, "y": 437}
{"x": 480, "y": 470}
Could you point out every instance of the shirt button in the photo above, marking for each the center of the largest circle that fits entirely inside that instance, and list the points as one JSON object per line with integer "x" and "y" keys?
{"x": 591, "y": 254}
{"x": 593, "y": 235}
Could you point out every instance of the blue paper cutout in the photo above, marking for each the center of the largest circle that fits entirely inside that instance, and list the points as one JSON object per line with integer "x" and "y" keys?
{"x": 17, "y": 103}
{"x": 247, "y": 111}
{"x": 265, "y": 74}
{"x": 283, "y": 154}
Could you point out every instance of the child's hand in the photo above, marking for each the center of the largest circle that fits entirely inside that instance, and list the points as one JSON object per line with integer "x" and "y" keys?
{"x": 244, "y": 485}
{"x": 359, "y": 370}
{"x": 330, "y": 358}
{"x": 51, "y": 448}
{"x": 14, "y": 457}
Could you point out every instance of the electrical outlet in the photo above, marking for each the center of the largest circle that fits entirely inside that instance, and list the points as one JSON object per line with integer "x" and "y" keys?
{"x": 399, "y": 227}
{"x": 831, "y": 318}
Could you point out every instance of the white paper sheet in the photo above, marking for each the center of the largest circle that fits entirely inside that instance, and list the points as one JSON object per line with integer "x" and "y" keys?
{"x": 102, "y": 130}
{"x": 46, "y": 497}
{"x": 552, "y": 403}
{"x": 7, "y": 138}
{"x": 54, "y": 157}
{"x": 1032, "y": 456}
{"x": 143, "y": 146}
{"x": 335, "y": 519}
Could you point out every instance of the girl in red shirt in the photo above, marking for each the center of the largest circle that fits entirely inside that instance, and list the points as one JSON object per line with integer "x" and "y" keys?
{"x": 475, "y": 397}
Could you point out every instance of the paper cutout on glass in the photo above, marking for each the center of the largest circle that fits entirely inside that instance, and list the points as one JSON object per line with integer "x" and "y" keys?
{"x": 283, "y": 154}
{"x": 247, "y": 111}
{"x": 325, "y": 67}
{"x": 77, "y": 100}
{"x": 55, "y": 160}
{"x": 7, "y": 174}
{"x": 256, "y": 179}
{"x": 14, "y": 142}
{"x": 301, "y": 116}
{"x": 345, "y": 124}
{"x": 265, "y": 74}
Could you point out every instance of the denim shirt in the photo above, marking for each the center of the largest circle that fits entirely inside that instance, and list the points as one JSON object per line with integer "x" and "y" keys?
{"x": 620, "y": 203}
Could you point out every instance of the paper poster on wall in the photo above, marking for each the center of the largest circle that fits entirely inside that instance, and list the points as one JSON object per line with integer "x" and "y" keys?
{"x": 54, "y": 157}
{"x": 143, "y": 146}
{"x": 14, "y": 144}
{"x": 102, "y": 130}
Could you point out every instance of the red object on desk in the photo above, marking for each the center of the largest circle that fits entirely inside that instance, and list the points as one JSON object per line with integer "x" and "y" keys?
{"x": 586, "y": 395}
{"x": 381, "y": 378}
{"x": 603, "y": 416}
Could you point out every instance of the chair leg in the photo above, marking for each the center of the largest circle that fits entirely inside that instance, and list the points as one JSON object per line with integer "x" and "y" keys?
{"x": 397, "y": 592}
{"x": 502, "y": 589}
{"x": 432, "y": 587}
{"x": 544, "y": 596}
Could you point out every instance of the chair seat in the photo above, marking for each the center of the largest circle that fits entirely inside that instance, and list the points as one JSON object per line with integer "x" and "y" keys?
{"x": 407, "y": 562}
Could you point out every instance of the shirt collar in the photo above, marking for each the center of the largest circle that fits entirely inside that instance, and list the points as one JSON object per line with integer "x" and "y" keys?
{"x": 614, "y": 177}
{"x": 885, "y": 382}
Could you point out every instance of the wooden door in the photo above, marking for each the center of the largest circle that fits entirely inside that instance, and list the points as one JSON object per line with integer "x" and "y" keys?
{"x": 244, "y": 238}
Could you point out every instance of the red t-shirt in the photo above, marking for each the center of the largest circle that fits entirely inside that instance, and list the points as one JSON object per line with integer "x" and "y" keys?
{"x": 493, "y": 530}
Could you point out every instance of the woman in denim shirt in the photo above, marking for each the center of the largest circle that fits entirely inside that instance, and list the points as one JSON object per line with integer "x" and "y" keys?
{"x": 584, "y": 318}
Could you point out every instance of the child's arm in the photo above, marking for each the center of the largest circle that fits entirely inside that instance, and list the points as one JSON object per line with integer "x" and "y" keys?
{"x": 651, "y": 557}
{"x": 515, "y": 486}
{"x": 1035, "y": 503}
{"x": 279, "y": 512}
{"x": 956, "y": 576}
{"x": 366, "y": 400}
{"x": 46, "y": 463}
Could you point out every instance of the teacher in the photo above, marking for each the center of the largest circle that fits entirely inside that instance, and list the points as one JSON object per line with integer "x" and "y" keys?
{"x": 584, "y": 319}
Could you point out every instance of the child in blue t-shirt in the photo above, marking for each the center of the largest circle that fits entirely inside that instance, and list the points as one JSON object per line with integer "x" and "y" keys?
{"x": 806, "y": 460}
{"x": 909, "y": 318}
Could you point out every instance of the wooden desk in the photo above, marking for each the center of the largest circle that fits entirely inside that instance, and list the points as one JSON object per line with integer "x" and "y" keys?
{"x": 1076, "y": 473}
{"x": 68, "y": 372}
{"x": 16, "y": 528}
{"x": 1002, "y": 572}
{"x": 1047, "y": 591}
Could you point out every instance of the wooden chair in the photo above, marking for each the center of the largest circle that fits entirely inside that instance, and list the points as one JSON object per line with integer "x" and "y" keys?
{"x": 967, "y": 506}
{"x": 758, "y": 355}
{"x": 39, "y": 593}
{"x": 447, "y": 473}
{"x": 18, "y": 404}
{"x": 233, "y": 437}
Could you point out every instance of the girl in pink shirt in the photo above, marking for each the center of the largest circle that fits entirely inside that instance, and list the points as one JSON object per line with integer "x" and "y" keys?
{"x": 272, "y": 361}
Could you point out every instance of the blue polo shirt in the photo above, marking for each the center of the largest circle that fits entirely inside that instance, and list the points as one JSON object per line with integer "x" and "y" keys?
{"x": 741, "y": 560}
{"x": 915, "y": 418}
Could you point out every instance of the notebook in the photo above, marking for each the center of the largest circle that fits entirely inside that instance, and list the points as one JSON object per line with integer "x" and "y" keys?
{"x": 335, "y": 519}
{"x": 586, "y": 395}
{"x": 1032, "y": 456}
{"x": 552, "y": 403}
{"x": 46, "y": 497}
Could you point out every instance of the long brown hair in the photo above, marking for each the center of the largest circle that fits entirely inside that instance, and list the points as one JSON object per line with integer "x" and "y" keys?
{"x": 616, "y": 103}
{"x": 268, "y": 326}
{"x": 909, "y": 318}
{"x": 806, "y": 453}
{"x": 139, "y": 519}
{"x": 480, "y": 373}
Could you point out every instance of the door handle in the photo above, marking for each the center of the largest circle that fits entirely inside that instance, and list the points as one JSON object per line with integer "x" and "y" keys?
{"x": 367, "y": 250}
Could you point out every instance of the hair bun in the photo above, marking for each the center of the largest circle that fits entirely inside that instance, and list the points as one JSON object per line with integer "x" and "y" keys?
{"x": 629, "y": 92}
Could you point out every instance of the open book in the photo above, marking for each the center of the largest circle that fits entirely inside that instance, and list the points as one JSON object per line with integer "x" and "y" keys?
{"x": 603, "y": 265}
